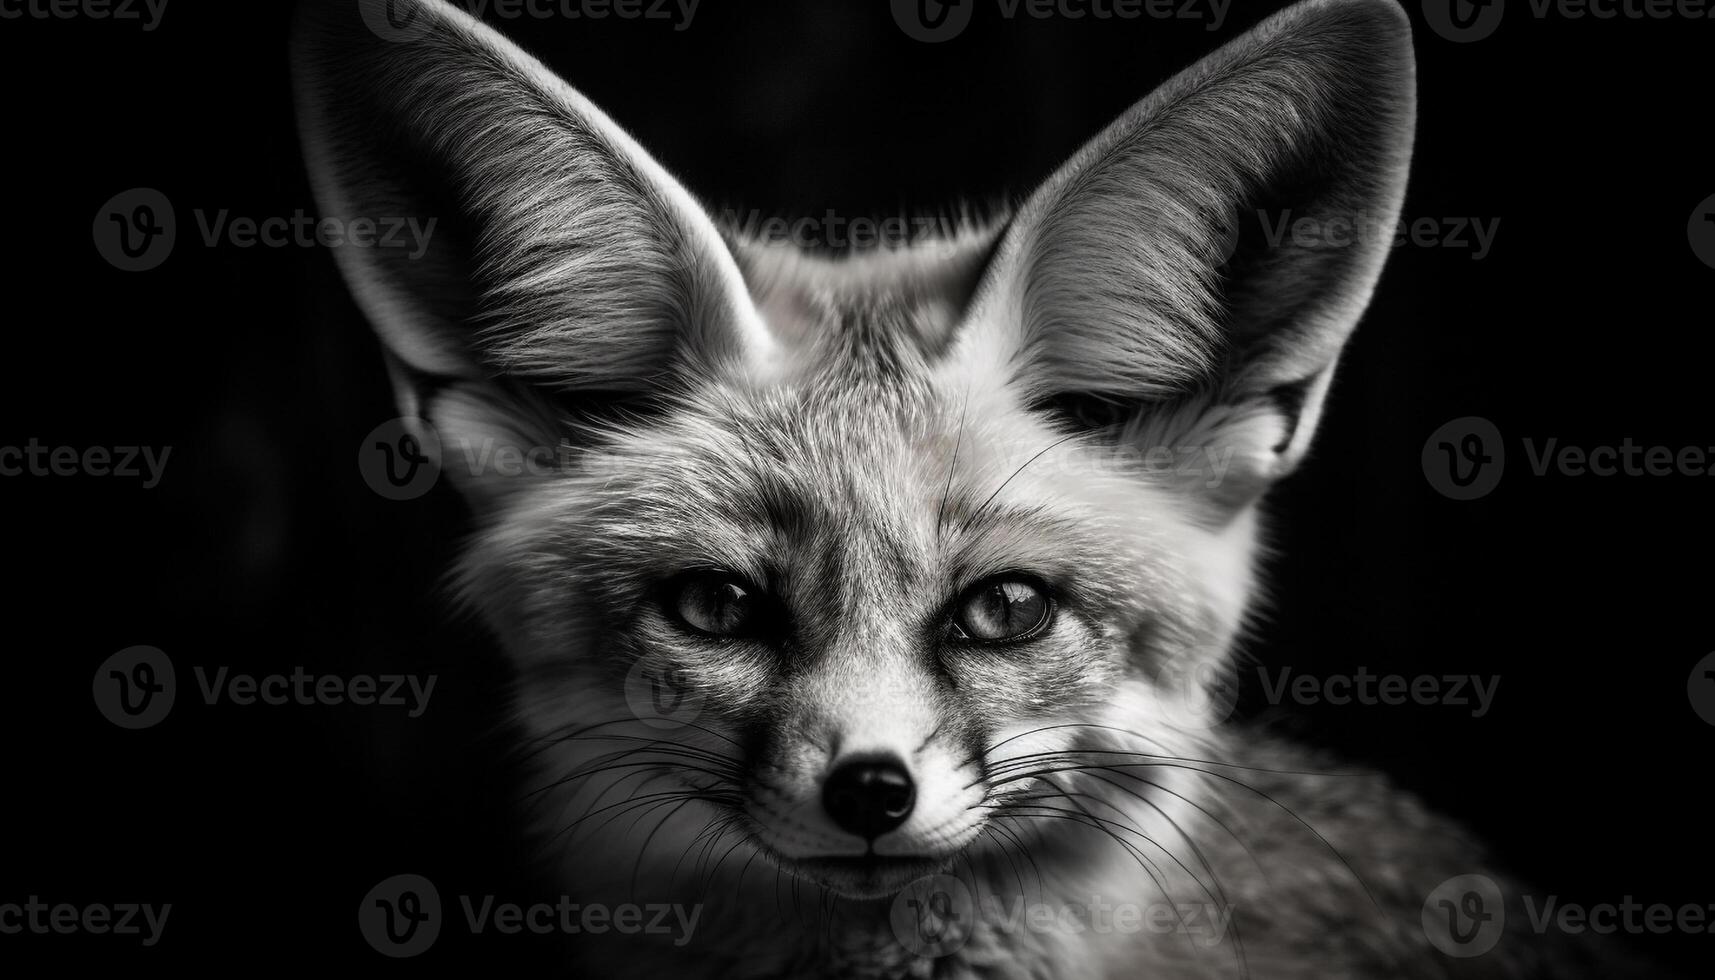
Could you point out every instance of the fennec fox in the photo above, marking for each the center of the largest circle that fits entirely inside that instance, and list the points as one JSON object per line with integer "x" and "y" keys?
{"x": 868, "y": 604}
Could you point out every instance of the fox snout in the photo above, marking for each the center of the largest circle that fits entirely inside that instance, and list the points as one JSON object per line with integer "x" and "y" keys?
{"x": 869, "y": 796}
{"x": 868, "y": 779}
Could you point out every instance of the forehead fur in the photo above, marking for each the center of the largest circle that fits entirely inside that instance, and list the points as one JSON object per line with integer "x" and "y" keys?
{"x": 848, "y": 491}
{"x": 871, "y": 313}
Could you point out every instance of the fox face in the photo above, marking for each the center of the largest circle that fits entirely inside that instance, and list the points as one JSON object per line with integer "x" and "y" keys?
{"x": 862, "y": 566}
{"x": 872, "y": 607}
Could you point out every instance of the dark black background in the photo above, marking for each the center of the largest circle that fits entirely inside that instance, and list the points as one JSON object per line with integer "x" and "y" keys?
{"x": 262, "y": 549}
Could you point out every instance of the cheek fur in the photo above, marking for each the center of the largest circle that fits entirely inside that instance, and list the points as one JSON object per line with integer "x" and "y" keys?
{"x": 1068, "y": 667}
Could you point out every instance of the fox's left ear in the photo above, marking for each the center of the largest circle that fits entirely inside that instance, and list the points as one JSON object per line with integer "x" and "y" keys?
{"x": 561, "y": 273}
{"x": 1147, "y": 283}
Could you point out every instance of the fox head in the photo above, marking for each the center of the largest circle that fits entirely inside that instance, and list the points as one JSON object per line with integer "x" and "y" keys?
{"x": 849, "y": 557}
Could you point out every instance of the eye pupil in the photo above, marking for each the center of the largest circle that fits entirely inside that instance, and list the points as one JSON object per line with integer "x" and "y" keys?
{"x": 715, "y": 604}
{"x": 1003, "y": 609}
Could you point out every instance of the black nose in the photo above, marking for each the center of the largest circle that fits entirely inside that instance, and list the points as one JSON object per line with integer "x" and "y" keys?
{"x": 869, "y": 797}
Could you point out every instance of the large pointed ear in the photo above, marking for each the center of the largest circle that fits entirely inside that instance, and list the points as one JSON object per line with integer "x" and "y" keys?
{"x": 524, "y": 260}
{"x": 1148, "y": 287}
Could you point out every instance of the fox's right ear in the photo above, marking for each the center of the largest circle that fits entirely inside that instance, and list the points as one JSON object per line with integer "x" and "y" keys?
{"x": 563, "y": 267}
{"x": 1146, "y": 291}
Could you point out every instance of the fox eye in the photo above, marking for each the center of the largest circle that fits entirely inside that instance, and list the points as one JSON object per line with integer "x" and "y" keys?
{"x": 713, "y": 603}
{"x": 1003, "y": 608}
